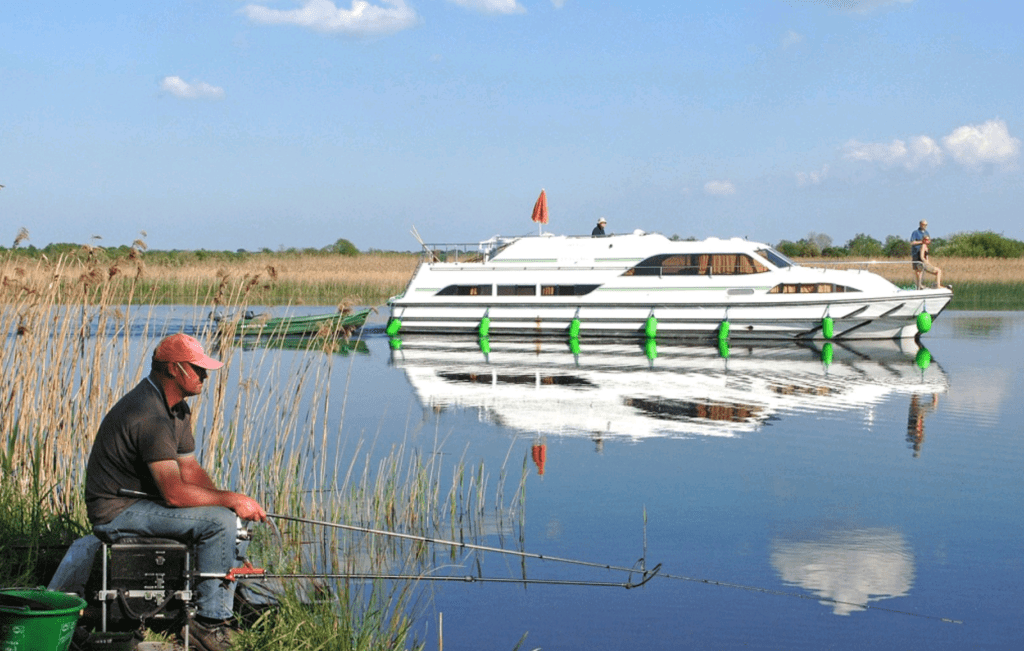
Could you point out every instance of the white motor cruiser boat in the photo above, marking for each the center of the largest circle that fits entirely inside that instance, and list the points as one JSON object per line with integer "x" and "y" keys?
{"x": 644, "y": 284}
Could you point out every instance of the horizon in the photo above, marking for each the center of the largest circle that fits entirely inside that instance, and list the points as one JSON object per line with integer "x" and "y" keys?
{"x": 290, "y": 124}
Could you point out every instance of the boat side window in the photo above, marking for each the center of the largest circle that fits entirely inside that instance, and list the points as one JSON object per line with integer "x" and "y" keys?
{"x": 776, "y": 258}
{"x": 566, "y": 290}
{"x": 465, "y": 290}
{"x": 698, "y": 264}
{"x": 517, "y": 290}
{"x": 810, "y": 288}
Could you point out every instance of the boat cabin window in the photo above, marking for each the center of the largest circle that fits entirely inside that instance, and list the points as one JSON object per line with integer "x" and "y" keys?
{"x": 465, "y": 290}
{"x": 517, "y": 290}
{"x": 698, "y": 264}
{"x": 683, "y": 410}
{"x": 810, "y": 288}
{"x": 776, "y": 258}
{"x": 566, "y": 290}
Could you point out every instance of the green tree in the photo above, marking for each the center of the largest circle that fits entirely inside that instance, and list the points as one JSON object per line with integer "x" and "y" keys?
{"x": 801, "y": 249}
{"x": 896, "y": 247}
{"x": 343, "y": 247}
{"x": 865, "y": 246}
{"x": 982, "y": 244}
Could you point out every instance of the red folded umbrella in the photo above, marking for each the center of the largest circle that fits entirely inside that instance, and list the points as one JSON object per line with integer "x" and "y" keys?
{"x": 540, "y": 209}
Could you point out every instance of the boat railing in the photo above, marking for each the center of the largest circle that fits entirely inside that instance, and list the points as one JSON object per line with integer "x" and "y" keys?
{"x": 455, "y": 252}
{"x": 466, "y": 251}
{"x": 863, "y": 265}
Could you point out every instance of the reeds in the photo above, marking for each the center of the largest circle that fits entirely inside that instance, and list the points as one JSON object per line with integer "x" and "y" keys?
{"x": 978, "y": 283}
{"x": 267, "y": 278}
{"x": 271, "y": 425}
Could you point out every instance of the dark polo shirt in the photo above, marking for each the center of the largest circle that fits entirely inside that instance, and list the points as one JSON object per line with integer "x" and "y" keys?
{"x": 137, "y": 431}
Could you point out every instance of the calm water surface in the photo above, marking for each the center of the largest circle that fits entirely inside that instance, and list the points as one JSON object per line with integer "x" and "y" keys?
{"x": 887, "y": 477}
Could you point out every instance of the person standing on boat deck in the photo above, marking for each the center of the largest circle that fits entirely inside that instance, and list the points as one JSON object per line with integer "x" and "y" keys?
{"x": 599, "y": 229}
{"x": 926, "y": 263}
{"x": 145, "y": 444}
{"x": 916, "y": 240}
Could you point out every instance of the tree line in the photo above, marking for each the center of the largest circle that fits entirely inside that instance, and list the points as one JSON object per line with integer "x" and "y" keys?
{"x": 976, "y": 244}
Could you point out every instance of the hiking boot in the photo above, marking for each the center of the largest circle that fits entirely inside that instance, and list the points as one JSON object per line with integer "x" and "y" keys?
{"x": 211, "y": 637}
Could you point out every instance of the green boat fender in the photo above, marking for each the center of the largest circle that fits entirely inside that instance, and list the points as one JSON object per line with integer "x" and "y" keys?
{"x": 574, "y": 329}
{"x": 723, "y": 348}
{"x": 924, "y": 322}
{"x": 651, "y": 327}
{"x": 828, "y": 327}
{"x": 723, "y": 331}
{"x": 485, "y": 345}
{"x": 393, "y": 327}
{"x": 651, "y": 349}
{"x": 923, "y": 358}
{"x": 826, "y": 354}
{"x": 484, "y": 330}
{"x": 574, "y": 346}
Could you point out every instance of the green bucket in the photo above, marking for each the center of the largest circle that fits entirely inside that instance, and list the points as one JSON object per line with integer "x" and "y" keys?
{"x": 34, "y": 619}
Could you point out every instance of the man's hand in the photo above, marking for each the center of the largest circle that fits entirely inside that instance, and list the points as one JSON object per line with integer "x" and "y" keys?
{"x": 247, "y": 508}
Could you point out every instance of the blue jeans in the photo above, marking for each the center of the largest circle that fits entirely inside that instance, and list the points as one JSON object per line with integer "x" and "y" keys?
{"x": 212, "y": 529}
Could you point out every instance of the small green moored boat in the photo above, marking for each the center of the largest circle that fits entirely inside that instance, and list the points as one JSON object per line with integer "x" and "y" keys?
{"x": 314, "y": 324}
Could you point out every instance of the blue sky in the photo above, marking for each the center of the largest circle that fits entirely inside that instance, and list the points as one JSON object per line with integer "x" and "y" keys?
{"x": 225, "y": 124}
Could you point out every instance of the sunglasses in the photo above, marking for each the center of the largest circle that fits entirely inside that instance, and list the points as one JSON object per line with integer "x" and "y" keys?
{"x": 198, "y": 370}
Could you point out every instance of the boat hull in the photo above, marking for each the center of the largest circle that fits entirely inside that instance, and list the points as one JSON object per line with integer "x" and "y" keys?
{"x": 892, "y": 317}
{"x": 301, "y": 325}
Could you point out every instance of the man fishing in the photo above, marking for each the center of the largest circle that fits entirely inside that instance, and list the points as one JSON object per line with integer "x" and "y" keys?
{"x": 145, "y": 444}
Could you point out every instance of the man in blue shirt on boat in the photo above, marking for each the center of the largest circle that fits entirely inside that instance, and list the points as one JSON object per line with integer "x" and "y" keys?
{"x": 599, "y": 229}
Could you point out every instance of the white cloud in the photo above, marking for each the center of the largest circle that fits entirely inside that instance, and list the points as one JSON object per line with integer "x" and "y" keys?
{"x": 558, "y": 3}
{"x": 921, "y": 150}
{"x": 812, "y": 178}
{"x": 978, "y": 144}
{"x": 790, "y": 39}
{"x": 363, "y": 19}
{"x": 497, "y": 6}
{"x": 972, "y": 145}
{"x": 199, "y": 90}
{"x": 876, "y": 152}
{"x": 719, "y": 188}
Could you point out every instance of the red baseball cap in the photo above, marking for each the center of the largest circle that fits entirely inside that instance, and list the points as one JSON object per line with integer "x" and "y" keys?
{"x": 183, "y": 348}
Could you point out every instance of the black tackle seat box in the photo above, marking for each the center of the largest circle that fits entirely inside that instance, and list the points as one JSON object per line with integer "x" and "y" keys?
{"x": 147, "y": 575}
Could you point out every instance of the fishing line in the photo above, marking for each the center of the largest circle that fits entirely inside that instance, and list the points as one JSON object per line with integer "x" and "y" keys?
{"x": 644, "y": 573}
{"x": 827, "y": 600}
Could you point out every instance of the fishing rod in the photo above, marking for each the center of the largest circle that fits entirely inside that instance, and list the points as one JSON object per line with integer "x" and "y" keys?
{"x": 464, "y": 545}
{"x": 248, "y": 571}
{"x": 646, "y": 575}
{"x": 260, "y": 574}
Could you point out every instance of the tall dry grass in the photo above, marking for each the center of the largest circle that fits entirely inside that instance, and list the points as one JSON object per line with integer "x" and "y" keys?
{"x": 268, "y": 424}
{"x": 955, "y": 271}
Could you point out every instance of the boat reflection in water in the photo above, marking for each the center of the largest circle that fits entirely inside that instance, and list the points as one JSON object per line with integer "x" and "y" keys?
{"x": 848, "y": 569}
{"x": 633, "y": 391}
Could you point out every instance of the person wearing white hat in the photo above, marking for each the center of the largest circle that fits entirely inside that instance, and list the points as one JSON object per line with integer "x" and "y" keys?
{"x": 599, "y": 229}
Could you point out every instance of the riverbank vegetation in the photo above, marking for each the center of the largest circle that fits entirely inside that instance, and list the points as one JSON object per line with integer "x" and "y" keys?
{"x": 270, "y": 425}
{"x": 985, "y": 269}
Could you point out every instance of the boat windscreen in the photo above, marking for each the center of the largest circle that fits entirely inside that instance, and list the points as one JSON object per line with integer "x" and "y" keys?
{"x": 776, "y": 258}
